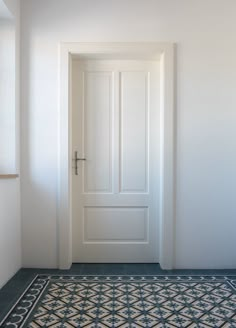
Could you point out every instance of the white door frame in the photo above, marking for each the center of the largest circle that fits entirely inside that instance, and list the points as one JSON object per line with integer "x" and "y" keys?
{"x": 155, "y": 51}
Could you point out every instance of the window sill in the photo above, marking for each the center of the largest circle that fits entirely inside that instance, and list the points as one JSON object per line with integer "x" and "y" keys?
{"x": 9, "y": 176}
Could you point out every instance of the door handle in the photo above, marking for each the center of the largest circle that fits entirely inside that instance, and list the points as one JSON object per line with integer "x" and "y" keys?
{"x": 76, "y": 159}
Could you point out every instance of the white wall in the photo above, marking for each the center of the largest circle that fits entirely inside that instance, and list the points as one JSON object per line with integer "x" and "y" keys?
{"x": 4, "y": 11}
{"x": 13, "y": 6}
{"x": 10, "y": 224}
{"x": 10, "y": 231}
{"x": 204, "y": 31}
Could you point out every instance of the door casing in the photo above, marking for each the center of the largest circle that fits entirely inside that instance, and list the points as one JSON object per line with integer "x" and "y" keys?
{"x": 163, "y": 52}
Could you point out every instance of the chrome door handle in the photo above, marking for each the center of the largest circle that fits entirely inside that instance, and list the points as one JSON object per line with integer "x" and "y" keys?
{"x": 76, "y": 159}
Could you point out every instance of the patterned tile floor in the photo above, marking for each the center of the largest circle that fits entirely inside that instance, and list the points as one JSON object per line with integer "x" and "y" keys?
{"x": 177, "y": 302}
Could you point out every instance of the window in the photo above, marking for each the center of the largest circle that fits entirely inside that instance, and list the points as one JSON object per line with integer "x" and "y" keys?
{"x": 7, "y": 95}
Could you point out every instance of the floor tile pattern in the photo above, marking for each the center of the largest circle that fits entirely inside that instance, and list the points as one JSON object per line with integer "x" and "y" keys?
{"x": 126, "y": 301}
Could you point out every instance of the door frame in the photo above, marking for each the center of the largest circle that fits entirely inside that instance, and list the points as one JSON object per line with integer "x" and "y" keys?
{"x": 163, "y": 52}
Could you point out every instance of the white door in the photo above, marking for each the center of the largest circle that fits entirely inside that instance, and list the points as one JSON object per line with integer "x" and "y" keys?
{"x": 116, "y": 118}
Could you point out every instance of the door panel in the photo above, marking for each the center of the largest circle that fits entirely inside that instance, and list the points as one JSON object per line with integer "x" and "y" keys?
{"x": 116, "y": 192}
{"x": 108, "y": 224}
{"x": 98, "y": 115}
{"x": 134, "y": 135}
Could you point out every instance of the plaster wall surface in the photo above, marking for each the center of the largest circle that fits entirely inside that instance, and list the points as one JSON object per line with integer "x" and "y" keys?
{"x": 10, "y": 211}
{"x": 204, "y": 33}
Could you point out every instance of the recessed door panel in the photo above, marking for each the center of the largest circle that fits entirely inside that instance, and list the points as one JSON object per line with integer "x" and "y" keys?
{"x": 98, "y": 112}
{"x": 134, "y": 102}
{"x": 115, "y": 224}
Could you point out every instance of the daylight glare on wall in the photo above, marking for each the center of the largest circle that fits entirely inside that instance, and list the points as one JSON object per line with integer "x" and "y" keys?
{"x": 7, "y": 95}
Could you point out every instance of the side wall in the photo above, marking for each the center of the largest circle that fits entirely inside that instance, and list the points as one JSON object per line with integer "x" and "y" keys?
{"x": 204, "y": 32}
{"x": 10, "y": 220}
{"x": 10, "y": 232}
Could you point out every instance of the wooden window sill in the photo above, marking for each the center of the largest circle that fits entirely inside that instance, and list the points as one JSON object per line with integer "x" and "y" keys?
{"x": 9, "y": 176}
